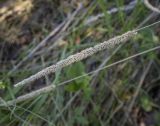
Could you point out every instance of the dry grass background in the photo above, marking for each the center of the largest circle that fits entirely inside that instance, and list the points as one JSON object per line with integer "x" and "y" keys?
{"x": 37, "y": 34}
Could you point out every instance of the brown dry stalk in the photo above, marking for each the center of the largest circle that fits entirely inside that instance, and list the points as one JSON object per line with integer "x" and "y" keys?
{"x": 78, "y": 57}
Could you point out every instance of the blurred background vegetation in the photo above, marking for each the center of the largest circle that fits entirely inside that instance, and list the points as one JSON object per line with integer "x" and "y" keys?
{"x": 37, "y": 33}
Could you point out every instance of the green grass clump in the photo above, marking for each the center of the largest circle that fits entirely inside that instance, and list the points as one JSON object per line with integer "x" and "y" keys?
{"x": 96, "y": 100}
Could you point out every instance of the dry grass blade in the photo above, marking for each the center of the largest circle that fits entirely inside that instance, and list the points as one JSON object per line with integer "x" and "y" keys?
{"x": 126, "y": 8}
{"x": 149, "y": 6}
{"x": 64, "y": 25}
{"x": 79, "y": 56}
